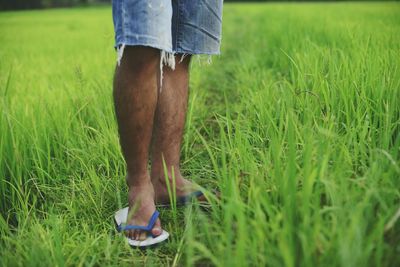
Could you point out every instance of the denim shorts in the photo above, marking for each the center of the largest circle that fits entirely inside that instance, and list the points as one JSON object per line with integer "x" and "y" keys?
{"x": 172, "y": 26}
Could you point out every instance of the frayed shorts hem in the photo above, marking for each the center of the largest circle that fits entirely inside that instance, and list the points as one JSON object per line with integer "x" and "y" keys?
{"x": 156, "y": 45}
{"x": 168, "y": 52}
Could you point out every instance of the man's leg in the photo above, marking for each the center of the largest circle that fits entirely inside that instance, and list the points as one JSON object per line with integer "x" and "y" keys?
{"x": 168, "y": 130}
{"x": 135, "y": 98}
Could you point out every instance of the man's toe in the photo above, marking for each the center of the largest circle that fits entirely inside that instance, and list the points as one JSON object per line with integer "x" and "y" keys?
{"x": 132, "y": 234}
{"x": 129, "y": 234}
{"x": 136, "y": 235}
{"x": 156, "y": 231}
{"x": 142, "y": 235}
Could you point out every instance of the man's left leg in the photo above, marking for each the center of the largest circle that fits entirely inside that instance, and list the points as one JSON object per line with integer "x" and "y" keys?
{"x": 168, "y": 129}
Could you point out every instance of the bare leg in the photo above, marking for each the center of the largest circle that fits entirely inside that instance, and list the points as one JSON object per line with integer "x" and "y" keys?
{"x": 168, "y": 130}
{"x": 135, "y": 98}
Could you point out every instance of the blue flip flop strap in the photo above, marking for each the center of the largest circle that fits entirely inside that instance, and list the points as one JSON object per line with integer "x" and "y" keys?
{"x": 147, "y": 228}
{"x": 195, "y": 194}
{"x": 189, "y": 197}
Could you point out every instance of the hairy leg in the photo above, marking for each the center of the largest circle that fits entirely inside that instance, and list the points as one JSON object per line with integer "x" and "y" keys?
{"x": 168, "y": 130}
{"x": 135, "y": 98}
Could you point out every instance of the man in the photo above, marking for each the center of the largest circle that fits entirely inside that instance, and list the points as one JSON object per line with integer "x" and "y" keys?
{"x": 151, "y": 100}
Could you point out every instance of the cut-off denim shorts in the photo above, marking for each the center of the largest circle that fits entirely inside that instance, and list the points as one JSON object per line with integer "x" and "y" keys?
{"x": 172, "y": 26}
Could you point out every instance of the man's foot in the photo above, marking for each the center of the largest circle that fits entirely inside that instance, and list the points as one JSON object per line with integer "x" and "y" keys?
{"x": 141, "y": 208}
{"x": 183, "y": 187}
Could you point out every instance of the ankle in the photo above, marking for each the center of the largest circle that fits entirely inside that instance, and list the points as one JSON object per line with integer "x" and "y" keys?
{"x": 163, "y": 179}
{"x": 138, "y": 180}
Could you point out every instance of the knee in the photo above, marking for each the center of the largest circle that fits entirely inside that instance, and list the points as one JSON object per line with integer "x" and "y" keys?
{"x": 140, "y": 59}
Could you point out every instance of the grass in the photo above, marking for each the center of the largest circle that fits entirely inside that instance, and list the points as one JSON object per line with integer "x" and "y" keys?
{"x": 297, "y": 124}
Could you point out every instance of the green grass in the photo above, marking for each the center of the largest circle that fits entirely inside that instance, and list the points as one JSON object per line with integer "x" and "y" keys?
{"x": 297, "y": 124}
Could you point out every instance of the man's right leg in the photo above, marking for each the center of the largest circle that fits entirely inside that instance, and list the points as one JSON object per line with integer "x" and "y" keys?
{"x": 135, "y": 99}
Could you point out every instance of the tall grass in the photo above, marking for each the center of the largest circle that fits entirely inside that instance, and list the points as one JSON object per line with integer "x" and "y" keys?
{"x": 297, "y": 124}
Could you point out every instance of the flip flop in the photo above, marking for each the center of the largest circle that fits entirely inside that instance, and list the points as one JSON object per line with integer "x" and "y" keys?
{"x": 121, "y": 217}
{"x": 185, "y": 200}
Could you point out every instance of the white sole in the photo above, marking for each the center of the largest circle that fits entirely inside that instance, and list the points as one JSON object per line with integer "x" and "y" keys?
{"x": 121, "y": 217}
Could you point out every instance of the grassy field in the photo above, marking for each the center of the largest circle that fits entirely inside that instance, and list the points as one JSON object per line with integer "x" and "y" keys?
{"x": 297, "y": 124}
